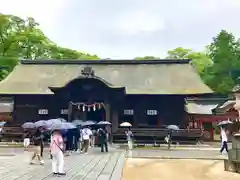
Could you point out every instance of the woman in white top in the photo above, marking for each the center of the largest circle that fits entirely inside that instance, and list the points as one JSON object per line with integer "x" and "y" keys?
{"x": 224, "y": 140}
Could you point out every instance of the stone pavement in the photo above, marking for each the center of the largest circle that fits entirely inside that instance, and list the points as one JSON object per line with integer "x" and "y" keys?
{"x": 93, "y": 166}
{"x": 177, "y": 154}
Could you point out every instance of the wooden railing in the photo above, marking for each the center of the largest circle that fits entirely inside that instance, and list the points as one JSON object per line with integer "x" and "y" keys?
{"x": 153, "y": 135}
{"x": 11, "y": 134}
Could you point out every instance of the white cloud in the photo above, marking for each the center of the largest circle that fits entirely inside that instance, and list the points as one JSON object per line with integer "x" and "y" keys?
{"x": 45, "y": 12}
{"x": 139, "y": 22}
{"x": 129, "y": 28}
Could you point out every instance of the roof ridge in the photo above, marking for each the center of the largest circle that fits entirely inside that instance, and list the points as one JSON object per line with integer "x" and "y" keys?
{"x": 106, "y": 62}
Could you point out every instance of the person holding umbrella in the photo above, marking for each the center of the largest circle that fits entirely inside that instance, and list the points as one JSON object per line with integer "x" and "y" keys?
{"x": 168, "y": 138}
{"x": 128, "y": 133}
{"x": 102, "y": 133}
{"x": 224, "y": 138}
{"x": 129, "y": 136}
{"x": 56, "y": 148}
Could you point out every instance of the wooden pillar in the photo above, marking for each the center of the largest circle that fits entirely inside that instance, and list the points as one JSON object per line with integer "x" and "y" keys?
{"x": 69, "y": 111}
{"x": 108, "y": 112}
{"x": 114, "y": 120}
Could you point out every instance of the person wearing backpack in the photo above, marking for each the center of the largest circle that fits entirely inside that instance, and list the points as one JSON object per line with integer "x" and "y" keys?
{"x": 103, "y": 139}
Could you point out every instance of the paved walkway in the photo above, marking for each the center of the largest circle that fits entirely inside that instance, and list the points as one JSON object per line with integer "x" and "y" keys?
{"x": 177, "y": 154}
{"x": 94, "y": 166}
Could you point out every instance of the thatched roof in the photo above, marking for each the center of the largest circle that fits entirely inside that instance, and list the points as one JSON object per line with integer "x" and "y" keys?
{"x": 194, "y": 106}
{"x": 138, "y": 77}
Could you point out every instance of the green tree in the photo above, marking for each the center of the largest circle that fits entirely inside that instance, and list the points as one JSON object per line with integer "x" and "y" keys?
{"x": 178, "y": 53}
{"x": 147, "y": 58}
{"x": 23, "y": 39}
{"x": 200, "y": 60}
{"x": 224, "y": 52}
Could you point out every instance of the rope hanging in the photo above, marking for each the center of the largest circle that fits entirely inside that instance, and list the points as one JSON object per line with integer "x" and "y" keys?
{"x": 88, "y": 107}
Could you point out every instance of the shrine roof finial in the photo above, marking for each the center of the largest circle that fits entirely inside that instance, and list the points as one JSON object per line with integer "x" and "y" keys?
{"x": 87, "y": 71}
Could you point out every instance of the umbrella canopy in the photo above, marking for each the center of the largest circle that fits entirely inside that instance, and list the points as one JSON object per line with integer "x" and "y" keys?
{"x": 104, "y": 123}
{"x": 78, "y": 122}
{"x": 28, "y": 125}
{"x": 173, "y": 127}
{"x": 125, "y": 124}
{"x": 226, "y": 122}
{"x": 41, "y": 123}
{"x": 62, "y": 126}
{"x": 2, "y": 123}
{"x": 50, "y": 122}
{"x": 88, "y": 123}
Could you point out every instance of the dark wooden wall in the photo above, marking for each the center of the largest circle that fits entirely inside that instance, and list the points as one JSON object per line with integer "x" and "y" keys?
{"x": 170, "y": 108}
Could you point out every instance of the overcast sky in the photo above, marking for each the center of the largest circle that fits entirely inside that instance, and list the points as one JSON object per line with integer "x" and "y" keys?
{"x": 129, "y": 28}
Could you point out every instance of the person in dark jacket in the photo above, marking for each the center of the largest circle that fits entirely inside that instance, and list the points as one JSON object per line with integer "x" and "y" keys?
{"x": 102, "y": 133}
{"x": 42, "y": 137}
{"x": 76, "y": 136}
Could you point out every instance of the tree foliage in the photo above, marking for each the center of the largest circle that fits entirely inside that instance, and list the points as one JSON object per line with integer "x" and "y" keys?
{"x": 147, "y": 58}
{"x": 22, "y": 39}
{"x": 225, "y": 54}
{"x": 218, "y": 64}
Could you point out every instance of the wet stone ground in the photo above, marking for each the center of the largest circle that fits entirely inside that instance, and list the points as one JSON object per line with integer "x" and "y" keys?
{"x": 105, "y": 166}
{"x": 93, "y": 166}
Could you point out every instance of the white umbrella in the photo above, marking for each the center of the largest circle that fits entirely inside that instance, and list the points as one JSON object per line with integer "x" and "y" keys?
{"x": 104, "y": 123}
{"x": 226, "y": 122}
{"x": 125, "y": 124}
{"x": 173, "y": 127}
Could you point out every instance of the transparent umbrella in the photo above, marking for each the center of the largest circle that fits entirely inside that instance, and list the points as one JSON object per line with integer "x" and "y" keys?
{"x": 88, "y": 123}
{"x": 78, "y": 122}
{"x": 50, "y": 122}
{"x": 62, "y": 126}
{"x": 41, "y": 123}
{"x": 28, "y": 125}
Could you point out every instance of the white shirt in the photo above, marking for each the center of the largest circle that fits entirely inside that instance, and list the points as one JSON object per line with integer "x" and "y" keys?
{"x": 223, "y": 135}
{"x": 86, "y": 133}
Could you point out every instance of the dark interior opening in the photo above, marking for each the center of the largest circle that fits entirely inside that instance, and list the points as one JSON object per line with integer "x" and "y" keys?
{"x": 126, "y": 118}
{"x": 97, "y": 115}
{"x": 152, "y": 120}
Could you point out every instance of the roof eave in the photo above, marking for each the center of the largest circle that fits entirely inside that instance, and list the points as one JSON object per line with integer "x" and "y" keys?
{"x": 109, "y": 62}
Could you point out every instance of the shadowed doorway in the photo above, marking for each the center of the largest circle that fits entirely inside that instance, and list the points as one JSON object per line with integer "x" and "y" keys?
{"x": 95, "y": 112}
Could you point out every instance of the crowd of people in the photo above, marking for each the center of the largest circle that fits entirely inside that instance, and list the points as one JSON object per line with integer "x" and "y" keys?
{"x": 64, "y": 142}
